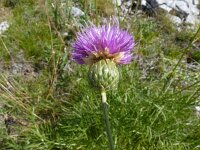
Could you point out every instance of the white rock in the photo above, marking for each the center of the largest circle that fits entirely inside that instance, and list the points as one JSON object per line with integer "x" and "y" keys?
{"x": 182, "y": 6}
{"x": 192, "y": 19}
{"x": 194, "y": 10}
{"x": 129, "y": 3}
{"x": 3, "y": 26}
{"x": 168, "y": 2}
{"x": 124, "y": 9}
{"x": 195, "y": 2}
{"x": 165, "y": 7}
{"x": 143, "y": 2}
{"x": 161, "y": 1}
{"x": 187, "y": 6}
{"x": 117, "y": 2}
{"x": 76, "y": 12}
{"x": 192, "y": 6}
{"x": 197, "y": 108}
{"x": 65, "y": 34}
{"x": 176, "y": 20}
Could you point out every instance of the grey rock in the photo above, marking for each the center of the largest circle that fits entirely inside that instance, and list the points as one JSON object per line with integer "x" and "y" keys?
{"x": 152, "y": 3}
{"x": 143, "y": 2}
{"x": 65, "y": 34}
{"x": 129, "y": 3}
{"x": 166, "y": 7}
{"x": 197, "y": 109}
{"x": 167, "y": 2}
{"x": 182, "y": 6}
{"x": 187, "y": 6}
{"x": 3, "y": 26}
{"x": 192, "y": 19}
{"x": 76, "y": 12}
{"x": 124, "y": 10}
{"x": 117, "y": 2}
{"x": 176, "y": 20}
{"x": 195, "y": 2}
{"x": 186, "y": 10}
{"x": 194, "y": 9}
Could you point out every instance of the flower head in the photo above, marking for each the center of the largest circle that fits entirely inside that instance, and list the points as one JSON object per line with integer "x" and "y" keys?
{"x": 95, "y": 43}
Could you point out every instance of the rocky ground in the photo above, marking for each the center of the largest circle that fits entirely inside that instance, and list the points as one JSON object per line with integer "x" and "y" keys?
{"x": 180, "y": 12}
{"x": 17, "y": 67}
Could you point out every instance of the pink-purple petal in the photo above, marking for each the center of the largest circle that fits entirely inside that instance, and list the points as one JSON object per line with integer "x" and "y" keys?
{"x": 94, "y": 39}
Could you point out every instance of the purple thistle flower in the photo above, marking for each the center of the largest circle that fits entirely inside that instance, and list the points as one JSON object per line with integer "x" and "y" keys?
{"x": 103, "y": 42}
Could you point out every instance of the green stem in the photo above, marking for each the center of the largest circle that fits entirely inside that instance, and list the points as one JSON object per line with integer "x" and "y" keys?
{"x": 105, "y": 116}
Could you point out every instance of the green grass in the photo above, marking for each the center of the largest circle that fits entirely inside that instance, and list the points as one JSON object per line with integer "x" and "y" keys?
{"x": 152, "y": 109}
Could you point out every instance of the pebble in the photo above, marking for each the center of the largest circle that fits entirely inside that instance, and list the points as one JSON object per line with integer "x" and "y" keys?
{"x": 129, "y": 3}
{"x": 76, "y": 12}
{"x": 117, "y": 2}
{"x": 3, "y": 26}
{"x": 182, "y": 6}
{"x": 197, "y": 109}
{"x": 165, "y": 7}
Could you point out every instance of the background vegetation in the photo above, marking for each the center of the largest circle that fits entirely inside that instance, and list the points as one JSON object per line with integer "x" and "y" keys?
{"x": 47, "y": 104}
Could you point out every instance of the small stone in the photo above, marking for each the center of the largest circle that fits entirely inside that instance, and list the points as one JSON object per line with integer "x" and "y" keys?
{"x": 186, "y": 11}
{"x": 3, "y": 26}
{"x": 143, "y": 2}
{"x": 117, "y": 2}
{"x": 197, "y": 108}
{"x": 129, "y": 4}
{"x": 65, "y": 34}
{"x": 76, "y": 12}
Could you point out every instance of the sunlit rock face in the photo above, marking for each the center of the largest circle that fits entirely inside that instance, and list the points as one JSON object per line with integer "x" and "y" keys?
{"x": 186, "y": 11}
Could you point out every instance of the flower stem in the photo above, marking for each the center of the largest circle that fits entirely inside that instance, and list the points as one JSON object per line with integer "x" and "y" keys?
{"x": 105, "y": 116}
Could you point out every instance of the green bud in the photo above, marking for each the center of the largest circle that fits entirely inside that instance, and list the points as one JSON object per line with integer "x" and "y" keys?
{"x": 104, "y": 74}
